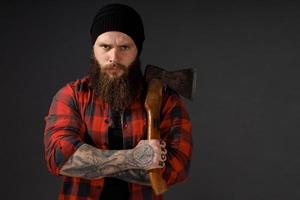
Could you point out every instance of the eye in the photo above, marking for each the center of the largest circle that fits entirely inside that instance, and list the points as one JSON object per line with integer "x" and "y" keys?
{"x": 104, "y": 46}
{"x": 124, "y": 47}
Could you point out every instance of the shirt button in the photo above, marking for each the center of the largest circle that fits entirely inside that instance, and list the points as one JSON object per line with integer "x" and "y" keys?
{"x": 125, "y": 125}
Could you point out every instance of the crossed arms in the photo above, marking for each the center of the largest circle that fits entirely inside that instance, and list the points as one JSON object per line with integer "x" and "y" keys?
{"x": 67, "y": 154}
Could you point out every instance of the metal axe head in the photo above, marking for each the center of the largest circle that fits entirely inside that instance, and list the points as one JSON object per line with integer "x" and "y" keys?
{"x": 182, "y": 81}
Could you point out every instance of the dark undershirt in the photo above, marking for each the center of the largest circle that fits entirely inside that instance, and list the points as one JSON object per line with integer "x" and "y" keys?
{"x": 115, "y": 188}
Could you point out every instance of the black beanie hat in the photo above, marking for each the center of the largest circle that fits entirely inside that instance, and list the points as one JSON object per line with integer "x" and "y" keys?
{"x": 119, "y": 17}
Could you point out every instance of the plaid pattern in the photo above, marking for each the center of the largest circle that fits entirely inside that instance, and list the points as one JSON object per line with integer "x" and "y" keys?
{"x": 77, "y": 116}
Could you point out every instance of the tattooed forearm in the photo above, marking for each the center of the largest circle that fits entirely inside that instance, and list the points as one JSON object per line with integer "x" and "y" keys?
{"x": 138, "y": 176}
{"x": 92, "y": 163}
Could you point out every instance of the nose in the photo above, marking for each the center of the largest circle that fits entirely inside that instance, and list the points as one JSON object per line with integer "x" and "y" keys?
{"x": 114, "y": 56}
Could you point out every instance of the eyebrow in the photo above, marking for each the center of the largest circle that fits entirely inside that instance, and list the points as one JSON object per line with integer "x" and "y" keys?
{"x": 103, "y": 43}
{"x": 108, "y": 44}
{"x": 126, "y": 44}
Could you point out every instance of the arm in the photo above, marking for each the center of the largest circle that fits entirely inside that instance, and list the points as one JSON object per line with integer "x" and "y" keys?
{"x": 137, "y": 176}
{"x": 64, "y": 129}
{"x": 176, "y": 131}
{"x": 91, "y": 163}
{"x": 65, "y": 148}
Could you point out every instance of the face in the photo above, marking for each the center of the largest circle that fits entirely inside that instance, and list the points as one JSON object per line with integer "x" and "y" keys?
{"x": 115, "y": 52}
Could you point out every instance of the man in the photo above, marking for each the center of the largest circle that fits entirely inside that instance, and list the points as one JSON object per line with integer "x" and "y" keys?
{"x": 96, "y": 129}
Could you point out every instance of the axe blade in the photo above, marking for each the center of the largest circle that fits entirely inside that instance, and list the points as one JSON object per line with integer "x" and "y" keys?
{"x": 182, "y": 81}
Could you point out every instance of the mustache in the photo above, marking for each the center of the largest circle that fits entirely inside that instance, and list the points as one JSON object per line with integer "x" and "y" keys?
{"x": 113, "y": 66}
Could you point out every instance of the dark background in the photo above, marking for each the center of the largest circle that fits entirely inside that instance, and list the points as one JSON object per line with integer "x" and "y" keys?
{"x": 245, "y": 113}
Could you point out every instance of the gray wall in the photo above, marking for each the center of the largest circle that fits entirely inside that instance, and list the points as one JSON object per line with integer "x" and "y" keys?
{"x": 245, "y": 114}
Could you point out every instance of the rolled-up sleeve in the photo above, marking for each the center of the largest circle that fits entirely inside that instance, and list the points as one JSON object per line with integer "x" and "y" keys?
{"x": 176, "y": 131}
{"x": 64, "y": 129}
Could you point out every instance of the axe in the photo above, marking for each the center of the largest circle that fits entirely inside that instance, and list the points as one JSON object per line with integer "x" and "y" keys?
{"x": 184, "y": 83}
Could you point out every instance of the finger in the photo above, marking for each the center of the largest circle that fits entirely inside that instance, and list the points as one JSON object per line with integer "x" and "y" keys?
{"x": 161, "y": 164}
{"x": 163, "y": 150}
{"x": 162, "y": 143}
{"x": 163, "y": 157}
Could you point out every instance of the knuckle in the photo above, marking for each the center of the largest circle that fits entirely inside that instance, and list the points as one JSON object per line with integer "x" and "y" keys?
{"x": 161, "y": 163}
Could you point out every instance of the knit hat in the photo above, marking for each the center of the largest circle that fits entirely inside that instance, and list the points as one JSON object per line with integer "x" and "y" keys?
{"x": 119, "y": 17}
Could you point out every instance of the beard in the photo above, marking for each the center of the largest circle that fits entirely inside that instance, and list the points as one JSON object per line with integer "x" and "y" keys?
{"x": 118, "y": 92}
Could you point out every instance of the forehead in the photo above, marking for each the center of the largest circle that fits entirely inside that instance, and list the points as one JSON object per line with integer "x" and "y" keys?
{"x": 114, "y": 37}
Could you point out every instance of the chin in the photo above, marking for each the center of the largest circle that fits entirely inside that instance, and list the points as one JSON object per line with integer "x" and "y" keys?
{"x": 115, "y": 75}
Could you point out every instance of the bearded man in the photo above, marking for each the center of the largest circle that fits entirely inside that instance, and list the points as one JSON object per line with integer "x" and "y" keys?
{"x": 96, "y": 128}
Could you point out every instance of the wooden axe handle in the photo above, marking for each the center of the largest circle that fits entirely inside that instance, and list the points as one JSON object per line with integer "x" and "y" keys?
{"x": 152, "y": 105}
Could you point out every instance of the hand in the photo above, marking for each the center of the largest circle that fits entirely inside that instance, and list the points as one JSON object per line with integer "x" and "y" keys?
{"x": 150, "y": 154}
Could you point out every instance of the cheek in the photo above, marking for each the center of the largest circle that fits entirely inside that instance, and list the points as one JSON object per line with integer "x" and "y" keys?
{"x": 100, "y": 57}
{"x": 130, "y": 58}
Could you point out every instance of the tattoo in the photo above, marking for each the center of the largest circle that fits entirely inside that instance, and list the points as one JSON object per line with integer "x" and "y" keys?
{"x": 143, "y": 155}
{"x": 91, "y": 163}
{"x": 138, "y": 176}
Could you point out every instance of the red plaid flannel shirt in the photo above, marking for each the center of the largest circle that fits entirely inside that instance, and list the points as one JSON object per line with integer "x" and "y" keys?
{"x": 77, "y": 116}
